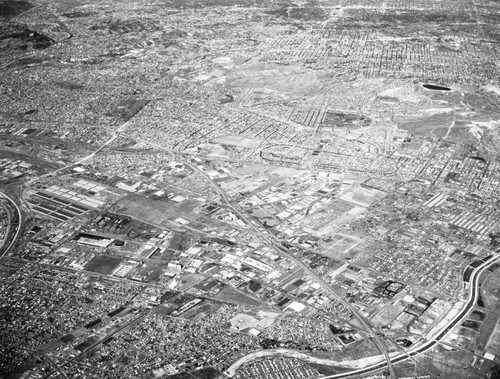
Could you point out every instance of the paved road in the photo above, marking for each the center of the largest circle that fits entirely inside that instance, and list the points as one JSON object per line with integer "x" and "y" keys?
{"x": 15, "y": 224}
{"x": 79, "y": 162}
{"x": 96, "y": 344}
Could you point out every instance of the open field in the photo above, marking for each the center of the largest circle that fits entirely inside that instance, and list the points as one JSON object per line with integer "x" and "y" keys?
{"x": 155, "y": 212}
{"x": 232, "y": 295}
{"x": 103, "y": 264}
{"x": 363, "y": 196}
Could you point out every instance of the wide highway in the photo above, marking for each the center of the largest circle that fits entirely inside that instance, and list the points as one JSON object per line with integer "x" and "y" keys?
{"x": 15, "y": 223}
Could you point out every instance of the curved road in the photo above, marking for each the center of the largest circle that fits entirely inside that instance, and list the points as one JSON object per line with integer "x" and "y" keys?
{"x": 15, "y": 224}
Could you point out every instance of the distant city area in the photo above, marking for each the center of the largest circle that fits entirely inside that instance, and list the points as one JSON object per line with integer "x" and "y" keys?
{"x": 249, "y": 189}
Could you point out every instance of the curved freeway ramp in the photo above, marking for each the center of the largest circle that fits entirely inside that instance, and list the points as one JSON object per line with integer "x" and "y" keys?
{"x": 15, "y": 221}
